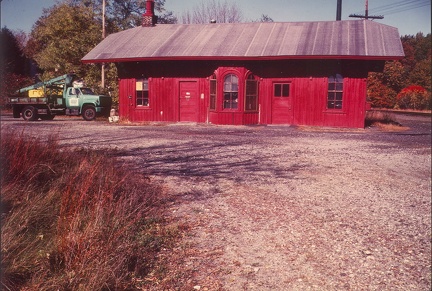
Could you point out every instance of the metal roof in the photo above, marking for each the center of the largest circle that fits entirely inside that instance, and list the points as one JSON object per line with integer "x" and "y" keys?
{"x": 358, "y": 39}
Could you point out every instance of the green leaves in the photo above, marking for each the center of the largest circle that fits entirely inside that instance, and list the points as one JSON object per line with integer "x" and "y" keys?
{"x": 62, "y": 36}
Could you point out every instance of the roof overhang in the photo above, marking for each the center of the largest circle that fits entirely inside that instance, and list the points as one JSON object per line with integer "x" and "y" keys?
{"x": 262, "y": 58}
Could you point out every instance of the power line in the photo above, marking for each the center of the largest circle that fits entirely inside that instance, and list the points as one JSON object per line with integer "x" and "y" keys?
{"x": 392, "y": 5}
{"x": 399, "y": 7}
{"x": 405, "y": 8}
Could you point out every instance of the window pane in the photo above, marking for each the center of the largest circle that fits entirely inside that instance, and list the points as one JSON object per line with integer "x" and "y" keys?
{"x": 251, "y": 103}
{"x": 251, "y": 87}
{"x": 331, "y": 86}
{"x": 339, "y": 78}
{"x": 277, "y": 90}
{"x": 227, "y": 87}
{"x": 212, "y": 101}
{"x": 339, "y": 96}
{"x": 234, "y": 79}
{"x": 227, "y": 100}
{"x": 234, "y": 96}
{"x": 234, "y": 87}
{"x": 330, "y": 105}
{"x": 139, "y": 97}
{"x": 330, "y": 96}
{"x": 338, "y": 105}
{"x": 339, "y": 86}
{"x": 212, "y": 86}
{"x": 285, "y": 90}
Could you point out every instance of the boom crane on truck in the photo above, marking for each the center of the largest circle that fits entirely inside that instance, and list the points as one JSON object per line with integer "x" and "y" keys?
{"x": 63, "y": 95}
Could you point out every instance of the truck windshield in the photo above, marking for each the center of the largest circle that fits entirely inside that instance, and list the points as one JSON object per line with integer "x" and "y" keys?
{"x": 87, "y": 91}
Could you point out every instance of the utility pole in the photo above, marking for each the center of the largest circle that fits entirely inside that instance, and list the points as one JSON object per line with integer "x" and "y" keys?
{"x": 366, "y": 16}
{"x": 339, "y": 10}
{"x": 103, "y": 37}
{"x": 0, "y": 14}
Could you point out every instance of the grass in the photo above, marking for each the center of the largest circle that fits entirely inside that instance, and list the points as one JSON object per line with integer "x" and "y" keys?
{"x": 384, "y": 120}
{"x": 76, "y": 219}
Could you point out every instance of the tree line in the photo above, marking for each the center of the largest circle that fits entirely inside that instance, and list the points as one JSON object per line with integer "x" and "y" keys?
{"x": 405, "y": 84}
{"x": 71, "y": 28}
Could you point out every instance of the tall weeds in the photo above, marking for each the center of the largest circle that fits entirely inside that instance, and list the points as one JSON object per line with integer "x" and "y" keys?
{"x": 74, "y": 219}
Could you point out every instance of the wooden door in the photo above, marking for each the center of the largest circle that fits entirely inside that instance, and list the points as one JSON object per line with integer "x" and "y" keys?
{"x": 188, "y": 100}
{"x": 127, "y": 98}
{"x": 281, "y": 103}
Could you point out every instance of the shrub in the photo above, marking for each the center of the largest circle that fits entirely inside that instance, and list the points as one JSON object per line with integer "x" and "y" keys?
{"x": 75, "y": 219}
{"x": 414, "y": 97}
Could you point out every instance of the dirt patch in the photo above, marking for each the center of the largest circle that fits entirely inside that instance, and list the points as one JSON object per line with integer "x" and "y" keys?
{"x": 277, "y": 208}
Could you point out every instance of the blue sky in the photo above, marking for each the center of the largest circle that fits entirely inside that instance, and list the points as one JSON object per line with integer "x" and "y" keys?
{"x": 409, "y": 16}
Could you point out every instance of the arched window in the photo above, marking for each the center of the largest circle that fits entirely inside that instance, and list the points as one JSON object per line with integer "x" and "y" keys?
{"x": 251, "y": 100}
{"x": 335, "y": 92}
{"x": 213, "y": 92}
{"x": 230, "y": 92}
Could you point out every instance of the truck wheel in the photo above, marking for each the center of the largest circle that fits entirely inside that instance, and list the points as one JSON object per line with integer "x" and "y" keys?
{"x": 89, "y": 113}
{"x": 29, "y": 113}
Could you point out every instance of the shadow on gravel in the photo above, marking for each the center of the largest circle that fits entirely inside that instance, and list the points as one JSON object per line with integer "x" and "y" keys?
{"x": 213, "y": 160}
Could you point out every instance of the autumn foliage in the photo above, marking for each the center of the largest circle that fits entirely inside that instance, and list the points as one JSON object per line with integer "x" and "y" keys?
{"x": 404, "y": 84}
{"x": 414, "y": 97}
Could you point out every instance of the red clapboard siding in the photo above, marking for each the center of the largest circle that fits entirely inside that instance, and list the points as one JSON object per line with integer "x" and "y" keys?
{"x": 175, "y": 99}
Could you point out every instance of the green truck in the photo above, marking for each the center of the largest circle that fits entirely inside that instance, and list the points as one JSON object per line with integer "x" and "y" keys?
{"x": 64, "y": 95}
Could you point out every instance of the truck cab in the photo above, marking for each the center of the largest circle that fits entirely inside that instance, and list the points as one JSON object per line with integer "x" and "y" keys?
{"x": 83, "y": 101}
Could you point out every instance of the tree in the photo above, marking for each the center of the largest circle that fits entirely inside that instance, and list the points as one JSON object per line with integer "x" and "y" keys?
{"x": 13, "y": 65}
{"x": 421, "y": 74}
{"x": 125, "y": 14}
{"x": 221, "y": 12}
{"x": 379, "y": 94}
{"x": 394, "y": 76}
{"x": 413, "y": 70}
{"x": 264, "y": 18}
{"x": 414, "y": 97}
{"x": 12, "y": 59}
{"x": 61, "y": 37}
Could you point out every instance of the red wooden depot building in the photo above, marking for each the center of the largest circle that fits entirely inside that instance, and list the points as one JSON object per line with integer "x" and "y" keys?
{"x": 302, "y": 73}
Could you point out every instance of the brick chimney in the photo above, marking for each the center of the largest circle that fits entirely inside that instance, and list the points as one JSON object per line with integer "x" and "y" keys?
{"x": 149, "y": 18}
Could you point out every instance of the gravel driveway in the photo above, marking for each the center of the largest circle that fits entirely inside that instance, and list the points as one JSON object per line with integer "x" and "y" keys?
{"x": 283, "y": 208}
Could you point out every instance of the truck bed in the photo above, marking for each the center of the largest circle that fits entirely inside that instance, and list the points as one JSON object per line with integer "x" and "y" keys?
{"x": 27, "y": 100}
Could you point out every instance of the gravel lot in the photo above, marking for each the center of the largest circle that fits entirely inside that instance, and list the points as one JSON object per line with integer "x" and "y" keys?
{"x": 283, "y": 208}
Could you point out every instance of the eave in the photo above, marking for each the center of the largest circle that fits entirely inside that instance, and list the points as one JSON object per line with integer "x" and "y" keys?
{"x": 230, "y": 58}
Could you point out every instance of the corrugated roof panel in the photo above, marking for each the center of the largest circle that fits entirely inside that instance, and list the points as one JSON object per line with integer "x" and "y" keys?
{"x": 320, "y": 42}
{"x": 357, "y": 43}
{"x": 199, "y": 42}
{"x": 217, "y": 45}
{"x": 244, "y": 38}
{"x": 337, "y": 44}
{"x": 258, "y": 43}
{"x": 274, "y": 40}
{"x": 374, "y": 36}
{"x": 290, "y": 40}
{"x": 359, "y": 38}
{"x": 232, "y": 41}
{"x": 307, "y": 40}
